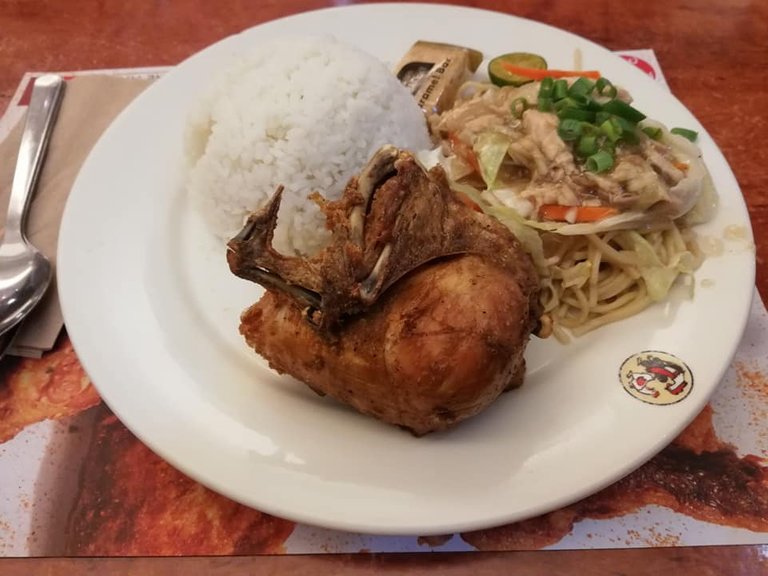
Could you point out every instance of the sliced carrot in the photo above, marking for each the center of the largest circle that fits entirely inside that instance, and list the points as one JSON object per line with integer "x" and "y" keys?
{"x": 560, "y": 213}
{"x": 682, "y": 166}
{"x": 538, "y": 74}
{"x": 464, "y": 151}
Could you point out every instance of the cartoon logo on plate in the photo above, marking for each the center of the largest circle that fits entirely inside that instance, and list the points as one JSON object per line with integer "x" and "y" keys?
{"x": 640, "y": 63}
{"x": 656, "y": 377}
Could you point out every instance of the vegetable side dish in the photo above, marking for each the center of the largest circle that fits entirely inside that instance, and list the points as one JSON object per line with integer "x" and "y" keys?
{"x": 602, "y": 197}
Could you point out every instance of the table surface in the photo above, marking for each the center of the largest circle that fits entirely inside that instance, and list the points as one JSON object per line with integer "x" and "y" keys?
{"x": 710, "y": 52}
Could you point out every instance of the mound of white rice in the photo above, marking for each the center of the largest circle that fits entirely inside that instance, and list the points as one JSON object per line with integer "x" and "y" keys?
{"x": 306, "y": 113}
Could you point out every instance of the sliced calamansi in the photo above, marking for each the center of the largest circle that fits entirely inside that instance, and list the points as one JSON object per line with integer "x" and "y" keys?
{"x": 500, "y": 76}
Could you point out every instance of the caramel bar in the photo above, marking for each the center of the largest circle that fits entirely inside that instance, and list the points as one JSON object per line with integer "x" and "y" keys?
{"x": 434, "y": 72}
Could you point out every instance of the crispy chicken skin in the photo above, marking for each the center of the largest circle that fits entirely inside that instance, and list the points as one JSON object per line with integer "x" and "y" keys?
{"x": 437, "y": 348}
{"x": 419, "y": 310}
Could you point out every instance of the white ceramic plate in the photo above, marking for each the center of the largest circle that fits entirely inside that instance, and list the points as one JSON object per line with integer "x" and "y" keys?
{"x": 153, "y": 312}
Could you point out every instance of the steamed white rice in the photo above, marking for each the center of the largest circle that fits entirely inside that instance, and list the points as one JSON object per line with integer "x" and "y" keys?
{"x": 306, "y": 113}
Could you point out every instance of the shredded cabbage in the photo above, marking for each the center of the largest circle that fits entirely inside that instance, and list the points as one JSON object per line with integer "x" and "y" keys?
{"x": 575, "y": 276}
{"x": 659, "y": 277}
{"x": 528, "y": 237}
{"x": 621, "y": 221}
{"x": 490, "y": 149}
{"x": 705, "y": 207}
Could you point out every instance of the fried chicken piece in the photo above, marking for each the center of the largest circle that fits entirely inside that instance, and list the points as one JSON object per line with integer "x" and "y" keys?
{"x": 437, "y": 348}
{"x": 417, "y": 313}
{"x": 51, "y": 387}
{"x": 133, "y": 503}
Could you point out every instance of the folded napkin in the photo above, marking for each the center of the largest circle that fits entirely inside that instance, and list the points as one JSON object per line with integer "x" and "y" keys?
{"x": 90, "y": 104}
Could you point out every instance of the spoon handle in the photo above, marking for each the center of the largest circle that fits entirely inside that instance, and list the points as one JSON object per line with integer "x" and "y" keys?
{"x": 41, "y": 113}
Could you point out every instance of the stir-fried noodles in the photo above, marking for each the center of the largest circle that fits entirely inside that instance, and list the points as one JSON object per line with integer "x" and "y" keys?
{"x": 601, "y": 278}
{"x": 603, "y": 199}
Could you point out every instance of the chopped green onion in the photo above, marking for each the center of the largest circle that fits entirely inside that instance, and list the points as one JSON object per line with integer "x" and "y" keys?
{"x": 589, "y": 128}
{"x": 628, "y": 129}
{"x": 611, "y": 129}
{"x": 604, "y": 87}
{"x": 583, "y": 100}
{"x": 593, "y": 105}
{"x": 576, "y": 114}
{"x": 545, "y": 104}
{"x": 518, "y": 106}
{"x": 653, "y": 132}
{"x": 566, "y": 103}
{"x": 601, "y": 117}
{"x": 581, "y": 88}
{"x": 545, "y": 88}
{"x": 623, "y": 110}
{"x": 685, "y": 133}
{"x": 569, "y": 129}
{"x": 573, "y": 102}
{"x": 599, "y": 161}
{"x": 560, "y": 90}
{"x": 590, "y": 117}
{"x": 587, "y": 145}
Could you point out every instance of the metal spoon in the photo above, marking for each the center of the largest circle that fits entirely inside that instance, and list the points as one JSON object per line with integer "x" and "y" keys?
{"x": 24, "y": 272}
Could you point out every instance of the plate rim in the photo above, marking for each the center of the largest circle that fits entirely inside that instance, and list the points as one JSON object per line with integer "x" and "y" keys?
{"x": 426, "y": 528}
